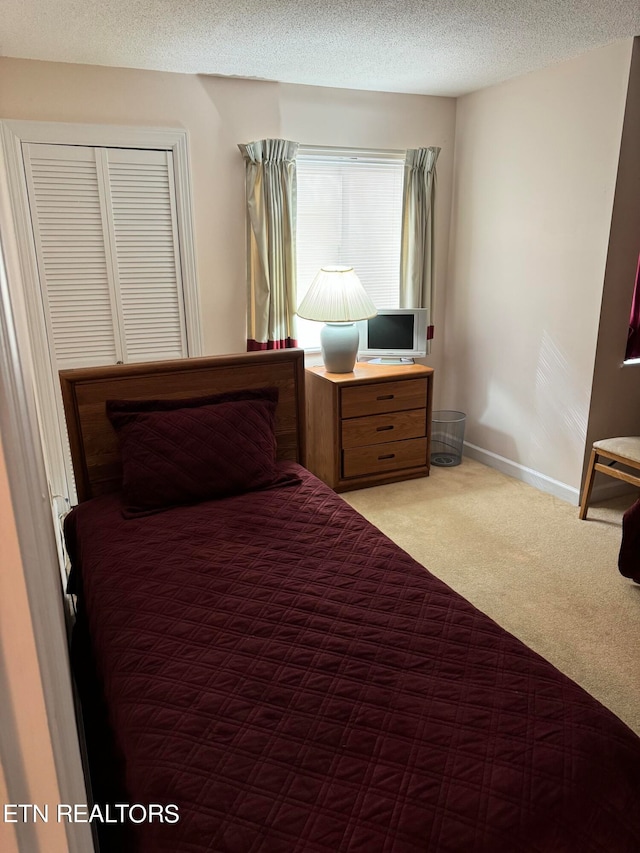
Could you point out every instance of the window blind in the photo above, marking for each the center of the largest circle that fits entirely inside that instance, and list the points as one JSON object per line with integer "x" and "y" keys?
{"x": 349, "y": 211}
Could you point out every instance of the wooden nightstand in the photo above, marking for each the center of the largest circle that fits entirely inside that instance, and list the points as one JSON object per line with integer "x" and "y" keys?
{"x": 369, "y": 427}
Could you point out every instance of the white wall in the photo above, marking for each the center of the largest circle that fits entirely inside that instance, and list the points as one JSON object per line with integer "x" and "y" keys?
{"x": 535, "y": 171}
{"x": 219, "y": 113}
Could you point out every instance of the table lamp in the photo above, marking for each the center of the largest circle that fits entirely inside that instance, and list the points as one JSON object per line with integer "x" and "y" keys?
{"x": 337, "y": 298}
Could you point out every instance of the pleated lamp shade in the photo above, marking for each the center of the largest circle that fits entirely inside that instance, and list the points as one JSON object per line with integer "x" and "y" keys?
{"x": 336, "y": 295}
{"x": 337, "y": 298}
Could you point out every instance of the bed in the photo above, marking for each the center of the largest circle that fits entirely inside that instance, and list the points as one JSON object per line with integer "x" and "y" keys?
{"x": 629, "y": 554}
{"x": 277, "y": 669}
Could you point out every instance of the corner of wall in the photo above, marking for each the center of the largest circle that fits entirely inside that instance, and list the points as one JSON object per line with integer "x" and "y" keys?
{"x": 615, "y": 402}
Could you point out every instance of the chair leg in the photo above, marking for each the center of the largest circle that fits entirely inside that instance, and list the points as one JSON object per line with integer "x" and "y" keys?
{"x": 588, "y": 485}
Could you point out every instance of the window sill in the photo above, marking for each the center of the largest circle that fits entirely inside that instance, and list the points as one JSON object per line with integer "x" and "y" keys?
{"x": 312, "y": 357}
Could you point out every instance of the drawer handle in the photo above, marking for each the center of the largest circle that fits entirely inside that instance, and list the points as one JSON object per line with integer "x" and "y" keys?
{"x": 386, "y": 397}
{"x": 386, "y": 456}
{"x": 384, "y": 428}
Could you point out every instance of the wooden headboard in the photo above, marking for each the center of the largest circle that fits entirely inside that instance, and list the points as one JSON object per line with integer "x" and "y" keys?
{"x": 94, "y": 446}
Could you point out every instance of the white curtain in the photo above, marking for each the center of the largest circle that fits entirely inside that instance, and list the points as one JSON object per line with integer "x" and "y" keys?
{"x": 417, "y": 252}
{"x": 271, "y": 255}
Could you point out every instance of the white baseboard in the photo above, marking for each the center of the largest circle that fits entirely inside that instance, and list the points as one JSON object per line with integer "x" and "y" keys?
{"x": 605, "y": 490}
{"x": 524, "y": 474}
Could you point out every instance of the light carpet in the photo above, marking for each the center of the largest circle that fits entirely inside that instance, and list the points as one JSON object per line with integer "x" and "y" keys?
{"x": 524, "y": 558}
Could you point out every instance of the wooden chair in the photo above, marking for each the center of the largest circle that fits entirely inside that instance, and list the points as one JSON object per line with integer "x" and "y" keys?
{"x": 625, "y": 451}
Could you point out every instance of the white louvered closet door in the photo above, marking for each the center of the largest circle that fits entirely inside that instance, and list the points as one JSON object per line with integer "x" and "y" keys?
{"x": 145, "y": 236}
{"x": 106, "y": 241}
{"x": 106, "y": 236}
{"x": 70, "y": 226}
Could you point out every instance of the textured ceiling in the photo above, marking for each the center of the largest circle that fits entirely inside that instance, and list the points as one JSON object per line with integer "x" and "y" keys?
{"x": 439, "y": 47}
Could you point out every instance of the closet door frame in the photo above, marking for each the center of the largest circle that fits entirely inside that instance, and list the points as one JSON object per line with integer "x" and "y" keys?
{"x": 20, "y": 429}
{"x": 13, "y": 134}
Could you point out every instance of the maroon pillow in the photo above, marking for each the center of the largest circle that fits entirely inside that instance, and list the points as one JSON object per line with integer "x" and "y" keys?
{"x": 194, "y": 453}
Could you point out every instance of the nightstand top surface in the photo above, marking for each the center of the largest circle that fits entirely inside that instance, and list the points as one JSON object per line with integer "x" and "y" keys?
{"x": 367, "y": 372}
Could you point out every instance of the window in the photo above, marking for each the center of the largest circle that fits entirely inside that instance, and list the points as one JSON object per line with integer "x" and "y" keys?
{"x": 349, "y": 211}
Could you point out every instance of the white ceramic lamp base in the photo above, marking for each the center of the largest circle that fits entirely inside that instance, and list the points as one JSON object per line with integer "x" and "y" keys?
{"x": 339, "y": 343}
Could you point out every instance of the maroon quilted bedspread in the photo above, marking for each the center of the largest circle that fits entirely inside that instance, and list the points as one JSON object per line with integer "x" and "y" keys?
{"x": 295, "y": 683}
{"x": 629, "y": 556}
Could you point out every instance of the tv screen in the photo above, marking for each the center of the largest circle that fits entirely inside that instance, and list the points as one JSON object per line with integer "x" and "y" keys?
{"x": 390, "y": 332}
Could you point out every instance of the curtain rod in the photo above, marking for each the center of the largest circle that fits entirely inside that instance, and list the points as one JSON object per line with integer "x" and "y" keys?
{"x": 351, "y": 153}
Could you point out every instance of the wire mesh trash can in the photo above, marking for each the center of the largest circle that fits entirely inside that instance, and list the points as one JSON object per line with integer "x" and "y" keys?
{"x": 447, "y": 438}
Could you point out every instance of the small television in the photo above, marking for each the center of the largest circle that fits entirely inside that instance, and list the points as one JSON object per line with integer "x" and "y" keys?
{"x": 394, "y": 336}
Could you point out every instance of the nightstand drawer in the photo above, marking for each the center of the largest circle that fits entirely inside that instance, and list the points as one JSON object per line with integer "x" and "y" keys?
{"x": 358, "y": 461}
{"x": 377, "y": 429}
{"x": 378, "y": 398}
